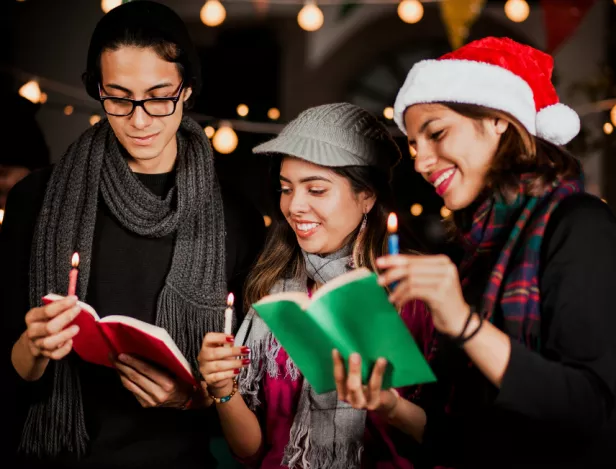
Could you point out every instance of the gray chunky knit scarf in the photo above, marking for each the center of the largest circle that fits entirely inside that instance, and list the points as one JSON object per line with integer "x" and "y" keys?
{"x": 192, "y": 300}
{"x": 326, "y": 432}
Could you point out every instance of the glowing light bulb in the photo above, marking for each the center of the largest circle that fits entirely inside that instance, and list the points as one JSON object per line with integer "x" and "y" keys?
{"x": 31, "y": 91}
{"x": 95, "y": 119}
{"x": 273, "y": 114}
{"x": 267, "y": 221}
{"x": 517, "y": 10}
{"x": 445, "y": 212}
{"x": 225, "y": 139}
{"x": 613, "y": 111}
{"x": 410, "y": 11}
{"x": 108, "y": 5}
{"x": 68, "y": 110}
{"x": 209, "y": 131}
{"x": 242, "y": 110}
{"x": 608, "y": 128}
{"x": 388, "y": 112}
{"x": 212, "y": 13}
{"x": 310, "y": 17}
{"x": 416, "y": 210}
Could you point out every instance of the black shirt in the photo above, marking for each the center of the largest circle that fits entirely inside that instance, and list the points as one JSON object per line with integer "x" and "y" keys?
{"x": 127, "y": 273}
{"x": 554, "y": 408}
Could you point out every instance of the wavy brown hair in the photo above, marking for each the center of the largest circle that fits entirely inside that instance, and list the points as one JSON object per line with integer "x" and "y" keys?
{"x": 282, "y": 256}
{"x": 518, "y": 153}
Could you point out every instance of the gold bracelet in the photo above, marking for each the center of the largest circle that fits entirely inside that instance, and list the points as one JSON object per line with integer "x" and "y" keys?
{"x": 222, "y": 400}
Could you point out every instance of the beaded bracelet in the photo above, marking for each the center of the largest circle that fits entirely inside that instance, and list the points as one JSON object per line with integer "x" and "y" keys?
{"x": 222, "y": 400}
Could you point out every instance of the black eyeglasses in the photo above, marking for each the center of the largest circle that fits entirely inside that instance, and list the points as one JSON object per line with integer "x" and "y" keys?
{"x": 155, "y": 107}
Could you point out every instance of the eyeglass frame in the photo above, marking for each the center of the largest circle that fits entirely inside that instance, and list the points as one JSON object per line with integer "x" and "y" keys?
{"x": 140, "y": 102}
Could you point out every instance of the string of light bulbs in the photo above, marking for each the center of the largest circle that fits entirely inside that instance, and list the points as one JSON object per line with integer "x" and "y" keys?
{"x": 227, "y": 140}
{"x": 310, "y": 17}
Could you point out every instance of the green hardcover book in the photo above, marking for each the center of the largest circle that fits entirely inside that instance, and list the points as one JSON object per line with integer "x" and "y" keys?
{"x": 351, "y": 313}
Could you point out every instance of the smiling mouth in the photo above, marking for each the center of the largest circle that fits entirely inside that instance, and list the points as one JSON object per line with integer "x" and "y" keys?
{"x": 444, "y": 180}
{"x": 305, "y": 230}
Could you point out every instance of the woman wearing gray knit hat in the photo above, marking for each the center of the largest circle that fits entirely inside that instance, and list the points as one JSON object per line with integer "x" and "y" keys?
{"x": 334, "y": 166}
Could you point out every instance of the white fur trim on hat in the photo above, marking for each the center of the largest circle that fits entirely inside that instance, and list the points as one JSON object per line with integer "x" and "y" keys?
{"x": 557, "y": 123}
{"x": 469, "y": 82}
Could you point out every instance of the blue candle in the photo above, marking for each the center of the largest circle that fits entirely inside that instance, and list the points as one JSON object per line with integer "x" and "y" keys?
{"x": 393, "y": 245}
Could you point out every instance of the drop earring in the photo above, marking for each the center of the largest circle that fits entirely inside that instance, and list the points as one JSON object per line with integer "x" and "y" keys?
{"x": 363, "y": 223}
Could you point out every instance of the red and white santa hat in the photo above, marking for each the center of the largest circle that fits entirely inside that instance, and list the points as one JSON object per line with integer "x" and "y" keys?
{"x": 498, "y": 73}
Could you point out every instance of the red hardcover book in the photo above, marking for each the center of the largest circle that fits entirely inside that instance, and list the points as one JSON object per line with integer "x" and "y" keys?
{"x": 97, "y": 338}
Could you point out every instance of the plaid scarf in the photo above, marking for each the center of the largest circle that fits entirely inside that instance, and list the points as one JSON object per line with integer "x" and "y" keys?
{"x": 515, "y": 229}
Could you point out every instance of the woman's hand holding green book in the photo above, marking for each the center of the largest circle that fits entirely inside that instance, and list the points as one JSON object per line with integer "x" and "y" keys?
{"x": 350, "y": 389}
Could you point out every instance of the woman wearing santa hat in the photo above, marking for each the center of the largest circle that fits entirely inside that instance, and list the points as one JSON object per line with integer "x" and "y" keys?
{"x": 524, "y": 343}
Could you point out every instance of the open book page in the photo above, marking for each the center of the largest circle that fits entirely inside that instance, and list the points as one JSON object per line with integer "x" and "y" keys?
{"x": 98, "y": 339}
{"x": 343, "y": 279}
{"x": 303, "y": 339}
{"x": 51, "y": 297}
{"x": 90, "y": 343}
{"x": 149, "y": 329}
{"x": 358, "y": 317}
{"x": 300, "y": 298}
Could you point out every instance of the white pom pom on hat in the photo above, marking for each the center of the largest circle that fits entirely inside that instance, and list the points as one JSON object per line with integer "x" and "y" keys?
{"x": 557, "y": 123}
{"x": 498, "y": 73}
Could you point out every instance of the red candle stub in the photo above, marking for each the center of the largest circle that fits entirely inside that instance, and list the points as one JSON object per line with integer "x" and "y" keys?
{"x": 72, "y": 277}
{"x": 392, "y": 223}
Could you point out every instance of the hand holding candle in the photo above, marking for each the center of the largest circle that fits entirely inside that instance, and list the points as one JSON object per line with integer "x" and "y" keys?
{"x": 72, "y": 277}
{"x": 229, "y": 312}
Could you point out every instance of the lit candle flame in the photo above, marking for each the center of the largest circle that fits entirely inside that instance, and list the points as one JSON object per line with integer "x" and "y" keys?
{"x": 75, "y": 260}
{"x": 392, "y": 223}
{"x": 230, "y": 300}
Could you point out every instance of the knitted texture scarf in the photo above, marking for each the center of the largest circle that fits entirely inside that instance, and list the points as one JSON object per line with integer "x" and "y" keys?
{"x": 191, "y": 302}
{"x": 326, "y": 432}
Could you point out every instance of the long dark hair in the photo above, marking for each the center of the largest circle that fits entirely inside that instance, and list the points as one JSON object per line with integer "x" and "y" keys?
{"x": 282, "y": 257}
{"x": 518, "y": 153}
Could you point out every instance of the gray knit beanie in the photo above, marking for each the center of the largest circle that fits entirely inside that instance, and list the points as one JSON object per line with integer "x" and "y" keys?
{"x": 339, "y": 134}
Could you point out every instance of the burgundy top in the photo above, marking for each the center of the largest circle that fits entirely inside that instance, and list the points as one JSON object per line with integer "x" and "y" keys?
{"x": 280, "y": 396}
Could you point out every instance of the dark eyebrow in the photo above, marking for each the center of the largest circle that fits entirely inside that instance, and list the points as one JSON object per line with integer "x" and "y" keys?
{"x": 149, "y": 90}
{"x": 307, "y": 179}
{"x": 422, "y": 129}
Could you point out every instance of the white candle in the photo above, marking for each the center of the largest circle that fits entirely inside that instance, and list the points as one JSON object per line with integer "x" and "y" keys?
{"x": 229, "y": 314}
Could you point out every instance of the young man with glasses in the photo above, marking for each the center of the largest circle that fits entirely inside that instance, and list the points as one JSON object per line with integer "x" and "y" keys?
{"x": 137, "y": 196}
